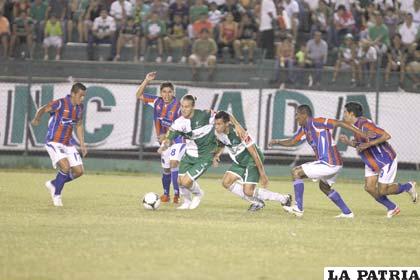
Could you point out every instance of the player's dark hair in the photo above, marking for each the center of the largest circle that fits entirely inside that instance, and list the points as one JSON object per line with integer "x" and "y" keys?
{"x": 222, "y": 115}
{"x": 305, "y": 109}
{"x": 78, "y": 86}
{"x": 190, "y": 98}
{"x": 167, "y": 84}
{"x": 355, "y": 108}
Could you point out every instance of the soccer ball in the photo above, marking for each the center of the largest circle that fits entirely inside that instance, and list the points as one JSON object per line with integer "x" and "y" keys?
{"x": 151, "y": 201}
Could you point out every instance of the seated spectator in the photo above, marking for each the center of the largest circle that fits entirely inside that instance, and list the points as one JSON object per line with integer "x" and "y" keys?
{"x": 317, "y": 52}
{"x": 228, "y": 34}
{"x": 120, "y": 10}
{"x": 215, "y": 15}
{"x": 141, "y": 13}
{"x": 199, "y": 25}
{"x": 320, "y": 18}
{"x": 53, "y": 37}
{"x": 247, "y": 39}
{"x": 379, "y": 34}
{"x": 346, "y": 58}
{"x": 22, "y": 31}
{"x": 39, "y": 15}
{"x": 154, "y": 33}
{"x": 391, "y": 20}
{"x": 368, "y": 20}
{"x": 177, "y": 38}
{"x": 203, "y": 54}
{"x": 129, "y": 33}
{"x": 161, "y": 9}
{"x": 285, "y": 54}
{"x": 78, "y": 10}
{"x": 415, "y": 11}
{"x": 367, "y": 58}
{"x": 196, "y": 10}
{"x": 413, "y": 64}
{"x": 292, "y": 9}
{"x": 408, "y": 31}
{"x": 61, "y": 9}
{"x": 93, "y": 11}
{"x": 343, "y": 24}
{"x": 396, "y": 58}
{"x": 21, "y": 6}
{"x": 4, "y": 33}
{"x": 231, "y": 6}
{"x": 103, "y": 32}
{"x": 178, "y": 8}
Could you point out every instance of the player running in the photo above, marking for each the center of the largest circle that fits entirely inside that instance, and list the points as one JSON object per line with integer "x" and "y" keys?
{"x": 380, "y": 160}
{"x": 166, "y": 109}
{"x": 247, "y": 168}
{"x": 196, "y": 126}
{"x": 317, "y": 132}
{"x": 65, "y": 113}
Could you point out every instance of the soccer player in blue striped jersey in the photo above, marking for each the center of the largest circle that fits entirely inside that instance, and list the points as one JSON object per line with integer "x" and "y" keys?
{"x": 166, "y": 109}
{"x": 380, "y": 160}
{"x": 318, "y": 134}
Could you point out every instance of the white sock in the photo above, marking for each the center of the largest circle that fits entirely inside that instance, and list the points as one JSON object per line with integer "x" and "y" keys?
{"x": 185, "y": 193}
{"x": 265, "y": 194}
{"x": 238, "y": 189}
{"x": 195, "y": 189}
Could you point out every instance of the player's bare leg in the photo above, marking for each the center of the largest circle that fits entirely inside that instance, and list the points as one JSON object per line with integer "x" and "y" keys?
{"x": 396, "y": 188}
{"x": 174, "y": 179}
{"x": 371, "y": 186}
{"x": 336, "y": 198}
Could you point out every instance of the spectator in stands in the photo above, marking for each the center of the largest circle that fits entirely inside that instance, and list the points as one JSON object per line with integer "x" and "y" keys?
{"x": 292, "y": 9}
{"x": 200, "y": 24}
{"x": 268, "y": 12}
{"x": 343, "y": 24}
{"x": 285, "y": 55}
{"x": 415, "y": 11}
{"x": 4, "y": 33}
{"x": 141, "y": 12}
{"x": 61, "y": 9}
{"x": 391, "y": 21}
{"x": 408, "y": 31}
{"x": 396, "y": 58}
{"x": 215, "y": 15}
{"x": 22, "y": 31}
{"x": 120, "y": 10}
{"x": 320, "y": 18}
{"x": 317, "y": 53}
{"x": 247, "y": 39}
{"x": 203, "y": 54}
{"x": 379, "y": 34}
{"x": 368, "y": 20}
{"x": 228, "y": 34}
{"x": 21, "y": 6}
{"x": 196, "y": 10}
{"x": 93, "y": 11}
{"x": 367, "y": 58}
{"x": 346, "y": 58}
{"x": 39, "y": 15}
{"x": 154, "y": 33}
{"x": 53, "y": 37}
{"x": 161, "y": 9}
{"x": 413, "y": 64}
{"x": 231, "y": 6}
{"x": 78, "y": 10}
{"x": 103, "y": 32}
{"x": 177, "y": 39}
{"x": 178, "y": 8}
{"x": 405, "y": 6}
{"x": 129, "y": 33}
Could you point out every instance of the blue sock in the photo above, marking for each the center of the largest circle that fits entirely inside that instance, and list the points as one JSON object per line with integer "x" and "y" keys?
{"x": 386, "y": 202}
{"x": 174, "y": 177}
{"x": 336, "y": 198}
{"x": 166, "y": 182}
{"x": 299, "y": 187}
{"x": 70, "y": 177}
{"x": 59, "y": 182}
{"x": 403, "y": 188}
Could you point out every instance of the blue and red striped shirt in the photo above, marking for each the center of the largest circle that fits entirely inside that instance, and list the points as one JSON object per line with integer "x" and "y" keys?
{"x": 63, "y": 116}
{"x": 317, "y": 132}
{"x": 377, "y": 156}
{"x": 163, "y": 114}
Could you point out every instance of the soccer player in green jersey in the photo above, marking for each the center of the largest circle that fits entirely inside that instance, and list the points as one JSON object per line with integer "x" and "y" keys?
{"x": 247, "y": 168}
{"x": 197, "y": 127}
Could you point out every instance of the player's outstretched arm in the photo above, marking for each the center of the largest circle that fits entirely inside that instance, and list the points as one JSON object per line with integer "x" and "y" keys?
{"x": 42, "y": 110}
{"x": 355, "y": 130}
{"x": 80, "y": 133}
{"x": 149, "y": 77}
{"x": 283, "y": 142}
{"x": 258, "y": 162}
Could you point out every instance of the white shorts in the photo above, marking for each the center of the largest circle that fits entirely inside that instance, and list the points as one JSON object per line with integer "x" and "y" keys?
{"x": 175, "y": 152}
{"x": 387, "y": 173}
{"x": 53, "y": 41}
{"x": 319, "y": 170}
{"x": 58, "y": 151}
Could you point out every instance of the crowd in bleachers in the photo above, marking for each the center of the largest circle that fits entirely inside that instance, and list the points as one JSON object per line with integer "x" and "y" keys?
{"x": 296, "y": 33}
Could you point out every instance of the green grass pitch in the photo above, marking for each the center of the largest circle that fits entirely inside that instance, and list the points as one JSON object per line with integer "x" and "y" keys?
{"x": 102, "y": 232}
